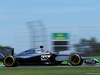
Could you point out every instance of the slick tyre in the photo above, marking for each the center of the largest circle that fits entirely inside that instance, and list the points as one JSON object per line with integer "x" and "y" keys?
{"x": 9, "y": 61}
{"x": 75, "y": 60}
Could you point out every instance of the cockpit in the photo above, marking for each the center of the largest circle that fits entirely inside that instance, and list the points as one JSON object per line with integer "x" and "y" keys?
{"x": 37, "y": 51}
{"x": 33, "y": 51}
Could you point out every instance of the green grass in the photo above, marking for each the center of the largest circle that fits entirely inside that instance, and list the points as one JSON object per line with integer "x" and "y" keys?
{"x": 50, "y": 71}
{"x": 1, "y": 63}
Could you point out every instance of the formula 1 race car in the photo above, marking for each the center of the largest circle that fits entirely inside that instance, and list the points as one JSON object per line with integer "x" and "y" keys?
{"x": 39, "y": 56}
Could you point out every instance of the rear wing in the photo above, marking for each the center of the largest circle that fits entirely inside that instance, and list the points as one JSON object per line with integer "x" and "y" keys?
{"x": 6, "y": 52}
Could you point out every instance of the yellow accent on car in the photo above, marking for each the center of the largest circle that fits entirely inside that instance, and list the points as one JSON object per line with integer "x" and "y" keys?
{"x": 78, "y": 61}
{"x": 10, "y": 64}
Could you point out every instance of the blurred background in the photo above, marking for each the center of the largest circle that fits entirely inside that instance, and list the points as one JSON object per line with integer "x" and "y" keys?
{"x": 65, "y": 40}
{"x": 59, "y": 25}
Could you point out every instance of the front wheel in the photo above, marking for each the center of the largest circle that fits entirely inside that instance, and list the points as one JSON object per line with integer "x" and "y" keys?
{"x": 75, "y": 60}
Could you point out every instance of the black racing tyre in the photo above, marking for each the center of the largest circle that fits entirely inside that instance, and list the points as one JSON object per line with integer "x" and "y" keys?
{"x": 75, "y": 60}
{"x": 81, "y": 62}
{"x": 9, "y": 61}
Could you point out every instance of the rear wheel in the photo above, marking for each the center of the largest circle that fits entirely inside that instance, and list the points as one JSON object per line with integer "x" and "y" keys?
{"x": 9, "y": 61}
{"x": 75, "y": 60}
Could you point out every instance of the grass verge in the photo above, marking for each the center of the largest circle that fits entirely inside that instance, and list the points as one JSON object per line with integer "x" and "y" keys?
{"x": 1, "y": 63}
{"x": 50, "y": 71}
